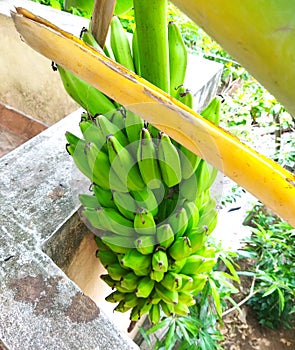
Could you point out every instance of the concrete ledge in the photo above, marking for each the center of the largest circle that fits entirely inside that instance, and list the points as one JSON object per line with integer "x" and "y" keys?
{"x": 40, "y": 308}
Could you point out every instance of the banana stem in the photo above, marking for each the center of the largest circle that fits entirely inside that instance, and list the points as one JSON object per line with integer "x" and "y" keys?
{"x": 152, "y": 36}
{"x": 101, "y": 17}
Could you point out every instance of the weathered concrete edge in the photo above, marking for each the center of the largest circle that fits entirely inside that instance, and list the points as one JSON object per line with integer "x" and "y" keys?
{"x": 40, "y": 308}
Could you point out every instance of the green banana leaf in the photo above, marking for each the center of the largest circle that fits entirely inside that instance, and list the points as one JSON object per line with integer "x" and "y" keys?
{"x": 86, "y": 6}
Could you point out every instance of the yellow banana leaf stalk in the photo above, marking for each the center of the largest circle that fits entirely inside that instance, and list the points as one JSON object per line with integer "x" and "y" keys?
{"x": 265, "y": 179}
{"x": 260, "y": 34}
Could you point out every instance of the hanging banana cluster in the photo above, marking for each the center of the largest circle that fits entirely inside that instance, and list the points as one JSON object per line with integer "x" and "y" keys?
{"x": 151, "y": 207}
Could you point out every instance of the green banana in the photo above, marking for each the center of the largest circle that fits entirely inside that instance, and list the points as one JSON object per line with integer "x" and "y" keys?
{"x": 189, "y": 162}
{"x": 169, "y": 161}
{"x": 186, "y": 298}
{"x": 76, "y": 148}
{"x": 160, "y": 261}
{"x": 172, "y": 281}
{"x": 117, "y": 117}
{"x": 212, "y": 111}
{"x": 192, "y": 264}
{"x": 107, "y": 257}
{"x": 207, "y": 252}
{"x": 108, "y": 280}
{"x": 146, "y": 199}
{"x": 122, "y": 307}
{"x": 125, "y": 204}
{"x": 123, "y": 165}
{"x": 98, "y": 160}
{"x": 155, "y": 314}
{"x": 89, "y": 201}
{"x": 120, "y": 44}
{"x": 168, "y": 296}
{"x": 199, "y": 282}
{"x": 145, "y": 244}
{"x": 115, "y": 297}
{"x": 117, "y": 243}
{"x": 92, "y": 218}
{"x": 177, "y": 58}
{"x": 195, "y": 283}
{"x": 88, "y": 97}
{"x": 165, "y": 235}
{"x": 135, "y": 53}
{"x": 181, "y": 309}
{"x": 145, "y": 271}
{"x": 187, "y": 283}
{"x": 208, "y": 221}
{"x": 145, "y": 287}
{"x": 181, "y": 248}
{"x": 133, "y": 125}
{"x": 104, "y": 197}
{"x": 130, "y": 300}
{"x": 116, "y": 271}
{"x": 205, "y": 176}
{"x": 177, "y": 265}
{"x": 144, "y": 222}
{"x": 157, "y": 275}
{"x": 91, "y": 134}
{"x": 185, "y": 96}
{"x": 193, "y": 216}
{"x": 113, "y": 221}
{"x": 154, "y": 298}
{"x": 196, "y": 238}
{"x": 207, "y": 265}
{"x": 89, "y": 39}
{"x": 100, "y": 245}
{"x": 178, "y": 221}
{"x": 167, "y": 308}
{"x": 129, "y": 280}
{"x": 147, "y": 160}
{"x": 188, "y": 188}
{"x": 133, "y": 259}
{"x": 145, "y": 307}
{"x": 152, "y": 40}
{"x": 106, "y": 127}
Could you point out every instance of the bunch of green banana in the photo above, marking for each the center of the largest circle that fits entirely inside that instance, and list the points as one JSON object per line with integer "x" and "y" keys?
{"x": 150, "y": 203}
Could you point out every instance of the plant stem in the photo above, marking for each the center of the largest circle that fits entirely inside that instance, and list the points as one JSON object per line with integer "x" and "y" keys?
{"x": 101, "y": 17}
{"x": 152, "y": 36}
{"x": 249, "y": 296}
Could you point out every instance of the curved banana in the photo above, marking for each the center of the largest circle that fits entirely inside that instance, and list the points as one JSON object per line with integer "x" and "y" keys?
{"x": 123, "y": 165}
{"x": 144, "y": 222}
{"x": 177, "y": 58}
{"x": 120, "y": 44}
{"x": 169, "y": 161}
{"x": 147, "y": 160}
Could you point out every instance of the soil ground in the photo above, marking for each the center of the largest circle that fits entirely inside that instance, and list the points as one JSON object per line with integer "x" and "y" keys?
{"x": 243, "y": 332}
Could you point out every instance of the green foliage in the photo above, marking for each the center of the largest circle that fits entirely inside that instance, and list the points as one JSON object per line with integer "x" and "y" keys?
{"x": 57, "y": 4}
{"x": 199, "y": 330}
{"x": 272, "y": 245}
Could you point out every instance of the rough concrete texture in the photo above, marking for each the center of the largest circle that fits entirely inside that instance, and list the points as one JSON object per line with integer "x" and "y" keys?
{"x": 40, "y": 308}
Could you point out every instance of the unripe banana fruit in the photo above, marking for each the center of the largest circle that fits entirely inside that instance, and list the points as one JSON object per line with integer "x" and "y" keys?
{"x": 150, "y": 203}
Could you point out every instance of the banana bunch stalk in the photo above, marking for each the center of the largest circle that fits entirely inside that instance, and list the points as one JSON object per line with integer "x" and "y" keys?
{"x": 150, "y": 203}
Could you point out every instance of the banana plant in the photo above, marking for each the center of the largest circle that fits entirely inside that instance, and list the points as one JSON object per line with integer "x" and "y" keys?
{"x": 262, "y": 177}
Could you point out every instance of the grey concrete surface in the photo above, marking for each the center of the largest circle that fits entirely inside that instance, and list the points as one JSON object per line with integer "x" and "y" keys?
{"x": 40, "y": 308}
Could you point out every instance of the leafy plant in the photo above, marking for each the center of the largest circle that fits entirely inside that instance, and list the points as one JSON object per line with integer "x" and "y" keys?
{"x": 274, "y": 251}
{"x": 200, "y": 330}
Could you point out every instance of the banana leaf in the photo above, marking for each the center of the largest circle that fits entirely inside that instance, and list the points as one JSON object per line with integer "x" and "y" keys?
{"x": 262, "y": 177}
